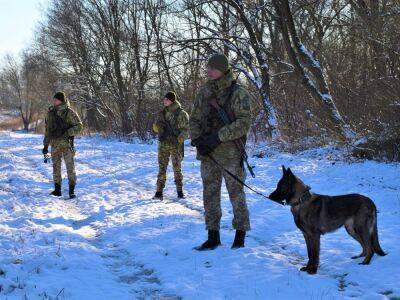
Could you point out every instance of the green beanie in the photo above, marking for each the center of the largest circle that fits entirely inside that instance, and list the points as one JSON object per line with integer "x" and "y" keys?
{"x": 219, "y": 61}
{"x": 60, "y": 96}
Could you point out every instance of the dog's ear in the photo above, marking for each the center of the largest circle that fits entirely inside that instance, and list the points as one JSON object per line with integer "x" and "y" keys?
{"x": 283, "y": 169}
{"x": 289, "y": 172}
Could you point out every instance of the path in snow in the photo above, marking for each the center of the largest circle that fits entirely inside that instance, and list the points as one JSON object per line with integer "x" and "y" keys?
{"x": 114, "y": 242}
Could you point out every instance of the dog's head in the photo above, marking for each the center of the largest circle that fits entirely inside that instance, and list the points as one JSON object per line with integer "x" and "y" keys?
{"x": 286, "y": 187}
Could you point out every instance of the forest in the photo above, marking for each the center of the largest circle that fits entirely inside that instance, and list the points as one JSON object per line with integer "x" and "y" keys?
{"x": 318, "y": 71}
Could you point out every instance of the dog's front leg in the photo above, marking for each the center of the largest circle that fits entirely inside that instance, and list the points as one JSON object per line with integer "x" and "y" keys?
{"x": 308, "y": 244}
{"x": 313, "y": 245}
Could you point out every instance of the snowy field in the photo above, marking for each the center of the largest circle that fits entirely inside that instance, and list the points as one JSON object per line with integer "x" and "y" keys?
{"x": 115, "y": 242}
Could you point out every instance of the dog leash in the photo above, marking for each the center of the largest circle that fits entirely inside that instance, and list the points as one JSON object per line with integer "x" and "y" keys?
{"x": 239, "y": 180}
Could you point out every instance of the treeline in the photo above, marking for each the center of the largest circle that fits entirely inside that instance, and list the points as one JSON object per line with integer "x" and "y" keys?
{"x": 317, "y": 70}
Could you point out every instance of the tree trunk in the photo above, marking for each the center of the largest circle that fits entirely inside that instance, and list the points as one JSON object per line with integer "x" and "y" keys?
{"x": 301, "y": 58}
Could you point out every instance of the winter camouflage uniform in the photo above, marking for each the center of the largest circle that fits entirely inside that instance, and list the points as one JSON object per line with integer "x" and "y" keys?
{"x": 204, "y": 120}
{"x": 61, "y": 147}
{"x": 171, "y": 140}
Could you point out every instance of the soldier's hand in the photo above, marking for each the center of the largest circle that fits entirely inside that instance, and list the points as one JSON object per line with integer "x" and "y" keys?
{"x": 155, "y": 128}
{"x": 181, "y": 139}
{"x": 212, "y": 140}
{"x": 201, "y": 146}
{"x": 203, "y": 149}
{"x": 195, "y": 142}
{"x": 45, "y": 150}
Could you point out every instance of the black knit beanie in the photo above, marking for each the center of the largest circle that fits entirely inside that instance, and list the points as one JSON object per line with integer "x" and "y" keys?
{"x": 171, "y": 96}
{"x": 60, "y": 96}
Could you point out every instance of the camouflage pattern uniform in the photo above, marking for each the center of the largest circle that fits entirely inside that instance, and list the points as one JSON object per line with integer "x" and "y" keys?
{"x": 171, "y": 143}
{"x": 61, "y": 147}
{"x": 202, "y": 117}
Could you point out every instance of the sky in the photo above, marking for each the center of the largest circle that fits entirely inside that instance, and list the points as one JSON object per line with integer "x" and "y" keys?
{"x": 18, "y": 19}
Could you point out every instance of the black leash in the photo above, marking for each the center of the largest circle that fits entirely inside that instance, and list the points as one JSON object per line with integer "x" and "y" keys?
{"x": 239, "y": 180}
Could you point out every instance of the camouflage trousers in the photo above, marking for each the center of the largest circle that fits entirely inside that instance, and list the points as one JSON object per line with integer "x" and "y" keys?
{"x": 165, "y": 151}
{"x": 56, "y": 155}
{"x": 212, "y": 176}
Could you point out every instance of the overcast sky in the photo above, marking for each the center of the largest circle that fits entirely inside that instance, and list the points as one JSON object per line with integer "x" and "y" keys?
{"x": 17, "y": 23}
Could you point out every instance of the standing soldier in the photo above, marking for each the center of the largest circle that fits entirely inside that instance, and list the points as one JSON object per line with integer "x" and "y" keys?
{"x": 217, "y": 149}
{"x": 62, "y": 125}
{"x": 172, "y": 128}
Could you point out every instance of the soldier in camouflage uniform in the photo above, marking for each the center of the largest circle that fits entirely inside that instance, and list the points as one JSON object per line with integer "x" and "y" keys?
{"x": 172, "y": 128}
{"x": 216, "y": 141}
{"x": 62, "y": 125}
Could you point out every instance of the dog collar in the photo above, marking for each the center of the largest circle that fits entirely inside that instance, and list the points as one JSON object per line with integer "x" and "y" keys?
{"x": 306, "y": 196}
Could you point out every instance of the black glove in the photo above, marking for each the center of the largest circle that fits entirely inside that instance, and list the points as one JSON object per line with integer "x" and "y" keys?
{"x": 204, "y": 149}
{"x": 212, "y": 140}
{"x": 45, "y": 150}
{"x": 195, "y": 142}
{"x": 206, "y": 144}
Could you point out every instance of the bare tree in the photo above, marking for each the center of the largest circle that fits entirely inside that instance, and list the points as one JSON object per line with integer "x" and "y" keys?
{"x": 317, "y": 70}
{"x": 27, "y": 86}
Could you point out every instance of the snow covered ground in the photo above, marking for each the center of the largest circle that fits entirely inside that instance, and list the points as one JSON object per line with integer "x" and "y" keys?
{"x": 115, "y": 242}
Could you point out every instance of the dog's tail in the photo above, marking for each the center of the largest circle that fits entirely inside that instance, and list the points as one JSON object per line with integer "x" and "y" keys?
{"x": 375, "y": 241}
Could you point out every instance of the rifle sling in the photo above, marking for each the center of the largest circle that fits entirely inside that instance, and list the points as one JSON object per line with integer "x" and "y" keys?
{"x": 239, "y": 180}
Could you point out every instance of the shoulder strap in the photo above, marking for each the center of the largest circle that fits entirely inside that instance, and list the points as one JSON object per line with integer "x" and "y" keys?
{"x": 170, "y": 127}
{"x": 178, "y": 112}
{"x": 226, "y": 106}
{"x": 67, "y": 112}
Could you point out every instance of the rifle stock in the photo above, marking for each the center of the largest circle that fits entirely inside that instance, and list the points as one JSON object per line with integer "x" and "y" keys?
{"x": 170, "y": 131}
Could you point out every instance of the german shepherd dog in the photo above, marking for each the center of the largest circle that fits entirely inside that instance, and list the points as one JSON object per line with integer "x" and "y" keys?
{"x": 318, "y": 214}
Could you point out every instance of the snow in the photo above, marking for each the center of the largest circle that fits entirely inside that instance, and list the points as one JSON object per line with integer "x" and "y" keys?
{"x": 310, "y": 57}
{"x": 115, "y": 242}
{"x": 272, "y": 120}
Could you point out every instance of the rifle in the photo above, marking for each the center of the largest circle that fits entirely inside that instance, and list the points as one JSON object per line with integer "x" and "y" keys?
{"x": 227, "y": 120}
{"x": 60, "y": 127}
{"x": 170, "y": 131}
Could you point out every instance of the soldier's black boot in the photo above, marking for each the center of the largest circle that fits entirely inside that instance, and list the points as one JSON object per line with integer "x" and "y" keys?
{"x": 72, "y": 191}
{"x": 158, "y": 195}
{"x": 57, "y": 190}
{"x": 239, "y": 239}
{"x": 212, "y": 242}
{"x": 180, "y": 195}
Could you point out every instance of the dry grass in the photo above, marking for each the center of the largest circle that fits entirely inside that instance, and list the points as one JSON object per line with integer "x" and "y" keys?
{"x": 13, "y": 123}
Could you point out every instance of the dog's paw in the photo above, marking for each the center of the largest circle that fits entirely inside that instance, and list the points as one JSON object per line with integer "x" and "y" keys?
{"x": 312, "y": 271}
{"x": 364, "y": 263}
{"x": 309, "y": 269}
{"x": 304, "y": 269}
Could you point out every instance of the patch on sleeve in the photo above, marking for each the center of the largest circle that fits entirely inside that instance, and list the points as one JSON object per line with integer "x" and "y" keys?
{"x": 243, "y": 101}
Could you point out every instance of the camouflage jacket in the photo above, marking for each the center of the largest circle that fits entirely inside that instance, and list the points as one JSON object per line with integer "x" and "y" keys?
{"x": 178, "y": 120}
{"x": 239, "y": 105}
{"x": 72, "y": 120}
